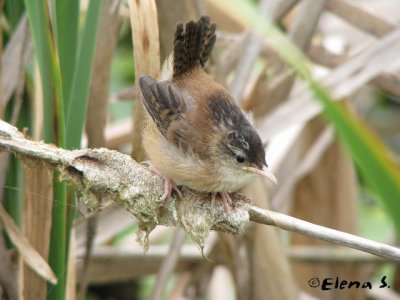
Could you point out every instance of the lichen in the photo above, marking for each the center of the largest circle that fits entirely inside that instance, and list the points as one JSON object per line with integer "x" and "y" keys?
{"x": 105, "y": 174}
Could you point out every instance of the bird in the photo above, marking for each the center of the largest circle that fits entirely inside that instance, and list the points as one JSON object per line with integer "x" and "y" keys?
{"x": 195, "y": 134}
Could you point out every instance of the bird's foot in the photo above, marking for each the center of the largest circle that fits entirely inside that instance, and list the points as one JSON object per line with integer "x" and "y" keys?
{"x": 169, "y": 185}
{"x": 226, "y": 200}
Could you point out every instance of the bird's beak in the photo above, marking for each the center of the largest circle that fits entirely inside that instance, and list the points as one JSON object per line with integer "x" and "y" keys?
{"x": 264, "y": 172}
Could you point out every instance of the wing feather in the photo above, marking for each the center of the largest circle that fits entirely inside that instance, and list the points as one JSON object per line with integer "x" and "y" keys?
{"x": 167, "y": 105}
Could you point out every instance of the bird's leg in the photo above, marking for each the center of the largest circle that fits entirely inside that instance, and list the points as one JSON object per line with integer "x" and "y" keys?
{"x": 169, "y": 184}
{"x": 226, "y": 200}
{"x": 213, "y": 195}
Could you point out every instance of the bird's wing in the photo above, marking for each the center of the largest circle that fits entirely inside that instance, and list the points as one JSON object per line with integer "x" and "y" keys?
{"x": 168, "y": 106}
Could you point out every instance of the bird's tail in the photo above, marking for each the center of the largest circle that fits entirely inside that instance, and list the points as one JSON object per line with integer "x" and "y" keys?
{"x": 193, "y": 45}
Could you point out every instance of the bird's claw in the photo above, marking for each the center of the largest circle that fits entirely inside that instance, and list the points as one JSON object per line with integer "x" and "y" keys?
{"x": 169, "y": 185}
{"x": 226, "y": 200}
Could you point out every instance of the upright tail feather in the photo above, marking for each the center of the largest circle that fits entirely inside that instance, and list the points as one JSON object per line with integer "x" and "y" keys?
{"x": 193, "y": 45}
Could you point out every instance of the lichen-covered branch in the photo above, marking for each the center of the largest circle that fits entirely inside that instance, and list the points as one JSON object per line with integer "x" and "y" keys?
{"x": 102, "y": 174}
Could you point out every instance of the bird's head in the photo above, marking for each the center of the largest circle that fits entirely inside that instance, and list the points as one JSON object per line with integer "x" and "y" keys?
{"x": 244, "y": 152}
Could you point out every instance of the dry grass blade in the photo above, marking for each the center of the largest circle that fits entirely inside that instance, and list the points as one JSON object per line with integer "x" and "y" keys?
{"x": 387, "y": 82}
{"x": 28, "y": 253}
{"x": 168, "y": 264}
{"x": 333, "y": 255}
{"x": 118, "y": 134}
{"x": 87, "y": 216}
{"x": 14, "y": 59}
{"x": 8, "y": 274}
{"x": 378, "y": 57}
{"x": 99, "y": 88}
{"x": 225, "y": 22}
{"x": 222, "y": 277}
{"x": 72, "y": 270}
{"x": 249, "y": 54}
{"x": 300, "y": 32}
{"x": 311, "y": 158}
{"x": 37, "y": 221}
{"x": 168, "y": 18}
{"x": 178, "y": 290}
{"x": 110, "y": 222}
{"x": 126, "y": 93}
{"x": 305, "y": 22}
{"x": 145, "y": 38}
{"x": 252, "y": 46}
{"x": 13, "y": 63}
{"x": 267, "y": 261}
{"x": 280, "y": 146}
{"x": 283, "y": 7}
{"x": 8, "y": 271}
{"x": 325, "y": 183}
{"x": 228, "y": 59}
{"x": 37, "y": 113}
{"x": 112, "y": 264}
{"x": 360, "y": 18}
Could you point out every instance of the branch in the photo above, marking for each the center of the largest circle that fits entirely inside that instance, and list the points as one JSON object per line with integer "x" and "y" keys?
{"x": 289, "y": 223}
{"x": 100, "y": 174}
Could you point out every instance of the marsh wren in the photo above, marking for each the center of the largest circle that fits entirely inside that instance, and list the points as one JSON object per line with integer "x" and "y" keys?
{"x": 196, "y": 134}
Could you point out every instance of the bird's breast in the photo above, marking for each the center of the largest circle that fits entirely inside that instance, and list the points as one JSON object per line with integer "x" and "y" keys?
{"x": 207, "y": 175}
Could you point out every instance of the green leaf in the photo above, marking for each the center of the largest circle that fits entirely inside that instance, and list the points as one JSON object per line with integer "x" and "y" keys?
{"x": 79, "y": 95}
{"x": 53, "y": 130}
{"x": 13, "y": 9}
{"x": 66, "y": 21}
{"x": 43, "y": 41}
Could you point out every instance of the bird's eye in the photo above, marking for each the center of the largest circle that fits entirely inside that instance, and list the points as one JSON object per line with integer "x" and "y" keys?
{"x": 240, "y": 159}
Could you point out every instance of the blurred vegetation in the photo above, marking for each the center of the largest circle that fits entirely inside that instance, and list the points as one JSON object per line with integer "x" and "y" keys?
{"x": 57, "y": 84}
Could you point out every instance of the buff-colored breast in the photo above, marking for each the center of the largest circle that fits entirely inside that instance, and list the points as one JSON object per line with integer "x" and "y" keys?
{"x": 186, "y": 169}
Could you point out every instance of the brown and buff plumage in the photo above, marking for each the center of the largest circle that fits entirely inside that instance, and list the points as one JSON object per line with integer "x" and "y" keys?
{"x": 196, "y": 134}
